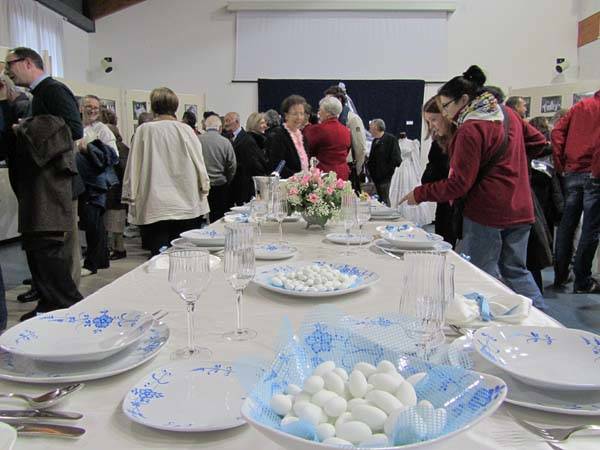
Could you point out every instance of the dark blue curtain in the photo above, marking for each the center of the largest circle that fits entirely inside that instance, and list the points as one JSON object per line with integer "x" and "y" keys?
{"x": 397, "y": 102}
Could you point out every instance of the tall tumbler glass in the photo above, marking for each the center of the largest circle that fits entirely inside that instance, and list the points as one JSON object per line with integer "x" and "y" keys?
{"x": 279, "y": 210}
{"x": 189, "y": 275}
{"x": 239, "y": 269}
{"x": 363, "y": 215}
{"x": 348, "y": 214}
{"x": 425, "y": 290}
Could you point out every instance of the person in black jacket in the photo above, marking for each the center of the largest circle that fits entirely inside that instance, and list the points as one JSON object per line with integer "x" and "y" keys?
{"x": 249, "y": 158}
{"x": 52, "y": 256}
{"x": 383, "y": 159}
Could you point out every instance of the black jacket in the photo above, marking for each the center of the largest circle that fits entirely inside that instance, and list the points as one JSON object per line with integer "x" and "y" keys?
{"x": 250, "y": 162}
{"x": 384, "y": 158}
{"x": 280, "y": 147}
{"x": 11, "y": 113}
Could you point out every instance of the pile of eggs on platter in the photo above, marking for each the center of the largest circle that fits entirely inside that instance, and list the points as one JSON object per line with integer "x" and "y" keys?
{"x": 313, "y": 278}
{"x": 363, "y": 408}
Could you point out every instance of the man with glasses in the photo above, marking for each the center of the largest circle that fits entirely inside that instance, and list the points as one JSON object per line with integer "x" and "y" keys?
{"x": 52, "y": 254}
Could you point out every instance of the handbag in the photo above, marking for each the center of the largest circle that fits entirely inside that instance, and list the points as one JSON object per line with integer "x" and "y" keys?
{"x": 458, "y": 205}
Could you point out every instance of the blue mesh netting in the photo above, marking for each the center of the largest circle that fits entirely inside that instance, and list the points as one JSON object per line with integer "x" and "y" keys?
{"x": 328, "y": 334}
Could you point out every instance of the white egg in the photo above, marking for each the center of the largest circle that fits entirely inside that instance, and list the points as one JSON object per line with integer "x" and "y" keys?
{"x": 325, "y": 431}
{"x": 386, "y": 366}
{"x": 311, "y": 414}
{"x": 322, "y": 289}
{"x": 371, "y": 415}
{"x": 281, "y": 404}
{"x": 384, "y": 400}
{"x": 406, "y": 394}
{"x": 357, "y": 383}
{"x": 313, "y": 384}
{"x": 299, "y": 406}
{"x": 414, "y": 379}
{"x": 345, "y": 417}
{"x": 356, "y": 402}
{"x": 293, "y": 389}
{"x": 377, "y": 440}
{"x": 339, "y": 371}
{"x": 276, "y": 281}
{"x": 322, "y": 397}
{"x": 303, "y": 396}
{"x": 390, "y": 424}
{"x": 310, "y": 281}
{"x": 424, "y": 407}
{"x": 353, "y": 431}
{"x": 333, "y": 382}
{"x": 288, "y": 419}
{"x": 366, "y": 368}
{"x": 437, "y": 425}
{"x": 385, "y": 382}
{"x": 337, "y": 441}
{"x": 312, "y": 289}
{"x": 335, "y": 407}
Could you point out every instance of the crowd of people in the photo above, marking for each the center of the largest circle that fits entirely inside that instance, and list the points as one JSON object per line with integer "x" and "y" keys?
{"x": 501, "y": 183}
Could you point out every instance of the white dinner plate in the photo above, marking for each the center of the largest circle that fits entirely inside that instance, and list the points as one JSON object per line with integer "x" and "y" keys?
{"x": 415, "y": 239}
{"x": 26, "y": 370}
{"x": 548, "y": 357}
{"x": 406, "y": 226}
{"x": 161, "y": 262}
{"x": 8, "y": 436}
{"x": 264, "y": 274}
{"x": 207, "y": 237}
{"x": 244, "y": 209}
{"x": 578, "y": 403}
{"x": 187, "y": 396}
{"x": 236, "y": 218}
{"x": 352, "y": 238}
{"x": 273, "y": 251}
{"x": 70, "y": 336}
{"x": 184, "y": 243}
{"x": 440, "y": 246}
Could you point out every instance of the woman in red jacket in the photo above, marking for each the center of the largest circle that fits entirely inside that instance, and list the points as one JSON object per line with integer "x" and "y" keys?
{"x": 330, "y": 140}
{"x": 498, "y": 210}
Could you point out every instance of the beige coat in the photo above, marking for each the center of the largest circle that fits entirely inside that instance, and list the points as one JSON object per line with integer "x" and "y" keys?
{"x": 359, "y": 140}
{"x": 165, "y": 177}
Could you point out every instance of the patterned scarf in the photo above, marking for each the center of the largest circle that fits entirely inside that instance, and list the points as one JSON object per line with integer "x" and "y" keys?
{"x": 484, "y": 107}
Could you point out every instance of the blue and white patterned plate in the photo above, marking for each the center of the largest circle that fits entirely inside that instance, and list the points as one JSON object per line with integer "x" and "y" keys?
{"x": 236, "y": 218}
{"x": 69, "y": 335}
{"x": 406, "y": 227}
{"x": 26, "y": 370}
{"x": 187, "y": 396}
{"x": 272, "y": 251}
{"x": 440, "y": 246}
{"x": 415, "y": 239}
{"x": 548, "y": 357}
{"x": 352, "y": 238}
{"x": 205, "y": 237}
{"x": 364, "y": 278}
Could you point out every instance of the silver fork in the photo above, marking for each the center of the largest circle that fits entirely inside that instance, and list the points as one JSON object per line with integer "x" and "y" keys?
{"x": 554, "y": 434}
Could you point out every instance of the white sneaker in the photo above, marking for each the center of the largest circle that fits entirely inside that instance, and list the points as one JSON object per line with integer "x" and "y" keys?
{"x": 86, "y": 272}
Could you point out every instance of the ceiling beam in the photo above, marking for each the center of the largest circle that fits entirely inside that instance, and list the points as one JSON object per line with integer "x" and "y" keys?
{"x": 73, "y": 16}
{"x": 96, "y": 9}
{"x": 349, "y": 5}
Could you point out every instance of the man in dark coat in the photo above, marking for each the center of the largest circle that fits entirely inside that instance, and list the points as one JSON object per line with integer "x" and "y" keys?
{"x": 50, "y": 253}
{"x": 249, "y": 158}
{"x": 383, "y": 159}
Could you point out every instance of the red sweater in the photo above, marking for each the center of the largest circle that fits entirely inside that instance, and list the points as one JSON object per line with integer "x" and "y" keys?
{"x": 329, "y": 142}
{"x": 503, "y": 198}
{"x": 576, "y": 135}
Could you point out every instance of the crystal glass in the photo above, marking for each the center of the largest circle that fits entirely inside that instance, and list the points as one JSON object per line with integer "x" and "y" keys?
{"x": 279, "y": 210}
{"x": 189, "y": 275}
{"x": 239, "y": 269}
{"x": 425, "y": 288}
{"x": 363, "y": 215}
{"x": 259, "y": 210}
{"x": 348, "y": 214}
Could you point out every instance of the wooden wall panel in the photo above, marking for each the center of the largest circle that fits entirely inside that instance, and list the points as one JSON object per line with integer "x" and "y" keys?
{"x": 589, "y": 30}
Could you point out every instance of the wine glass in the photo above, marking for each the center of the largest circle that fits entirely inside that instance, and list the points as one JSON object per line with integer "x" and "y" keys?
{"x": 189, "y": 275}
{"x": 258, "y": 212}
{"x": 363, "y": 215}
{"x": 280, "y": 210}
{"x": 239, "y": 269}
{"x": 348, "y": 217}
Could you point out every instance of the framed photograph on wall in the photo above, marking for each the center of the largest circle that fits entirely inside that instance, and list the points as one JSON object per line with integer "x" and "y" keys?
{"x": 109, "y": 104}
{"x": 551, "y": 104}
{"x": 192, "y": 108}
{"x": 528, "y": 105}
{"x": 138, "y": 108}
{"x": 581, "y": 96}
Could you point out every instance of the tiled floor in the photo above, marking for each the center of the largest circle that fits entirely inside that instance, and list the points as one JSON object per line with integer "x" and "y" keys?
{"x": 574, "y": 311}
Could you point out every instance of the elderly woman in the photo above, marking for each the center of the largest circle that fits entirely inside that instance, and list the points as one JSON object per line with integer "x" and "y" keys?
{"x": 286, "y": 143}
{"x": 329, "y": 139}
{"x": 165, "y": 182}
{"x": 256, "y": 126}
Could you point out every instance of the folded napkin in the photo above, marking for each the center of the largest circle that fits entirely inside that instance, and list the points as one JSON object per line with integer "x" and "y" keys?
{"x": 477, "y": 310}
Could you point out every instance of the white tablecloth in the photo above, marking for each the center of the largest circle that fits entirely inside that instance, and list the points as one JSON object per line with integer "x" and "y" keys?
{"x": 100, "y": 401}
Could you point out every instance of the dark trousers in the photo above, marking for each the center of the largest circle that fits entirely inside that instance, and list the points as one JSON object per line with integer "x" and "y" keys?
{"x": 50, "y": 268}
{"x": 160, "y": 234}
{"x": 218, "y": 198}
{"x": 3, "y": 312}
{"x": 383, "y": 191}
{"x": 92, "y": 221}
{"x": 582, "y": 194}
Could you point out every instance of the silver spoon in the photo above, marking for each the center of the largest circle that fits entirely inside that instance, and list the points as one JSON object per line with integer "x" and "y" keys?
{"x": 48, "y": 399}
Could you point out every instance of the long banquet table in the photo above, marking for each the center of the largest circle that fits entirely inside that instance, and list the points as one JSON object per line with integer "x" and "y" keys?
{"x": 100, "y": 401}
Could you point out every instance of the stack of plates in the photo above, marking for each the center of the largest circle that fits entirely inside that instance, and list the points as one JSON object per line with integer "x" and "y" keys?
{"x": 71, "y": 345}
{"x": 546, "y": 368}
{"x": 205, "y": 238}
{"x": 405, "y": 237}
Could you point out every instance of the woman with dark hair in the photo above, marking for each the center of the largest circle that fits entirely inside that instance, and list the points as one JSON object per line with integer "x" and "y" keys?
{"x": 489, "y": 171}
{"x": 286, "y": 143}
{"x": 441, "y": 130}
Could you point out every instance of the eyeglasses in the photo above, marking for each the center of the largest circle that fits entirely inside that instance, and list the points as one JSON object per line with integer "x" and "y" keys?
{"x": 10, "y": 63}
{"x": 445, "y": 105}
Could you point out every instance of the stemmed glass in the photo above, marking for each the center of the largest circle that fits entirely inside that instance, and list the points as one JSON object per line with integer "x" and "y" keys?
{"x": 258, "y": 212}
{"x": 189, "y": 275}
{"x": 239, "y": 269}
{"x": 348, "y": 217}
{"x": 363, "y": 215}
{"x": 280, "y": 210}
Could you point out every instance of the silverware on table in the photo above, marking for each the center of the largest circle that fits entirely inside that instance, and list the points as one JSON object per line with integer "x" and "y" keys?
{"x": 554, "y": 434}
{"x": 48, "y": 399}
{"x": 462, "y": 330}
{"x": 46, "y": 429}
{"x": 553, "y": 446}
{"x": 9, "y": 414}
{"x": 390, "y": 254}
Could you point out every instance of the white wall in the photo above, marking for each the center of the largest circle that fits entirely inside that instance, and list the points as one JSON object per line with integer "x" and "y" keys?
{"x": 76, "y": 53}
{"x": 189, "y": 45}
